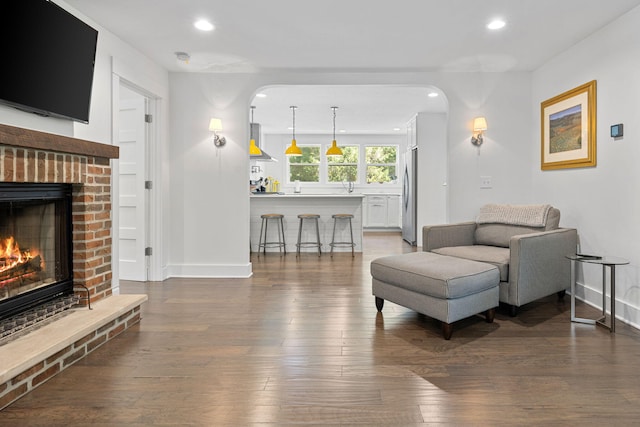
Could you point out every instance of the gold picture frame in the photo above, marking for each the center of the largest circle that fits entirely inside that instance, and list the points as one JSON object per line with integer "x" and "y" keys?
{"x": 568, "y": 129}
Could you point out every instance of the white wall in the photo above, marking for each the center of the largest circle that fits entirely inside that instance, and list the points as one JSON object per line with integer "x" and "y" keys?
{"x": 432, "y": 177}
{"x": 209, "y": 205}
{"x": 117, "y": 62}
{"x": 504, "y": 99}
{"x": 209, "y": 202}
{"x": 602, "y": 202}
{"x": 14, "y": 117}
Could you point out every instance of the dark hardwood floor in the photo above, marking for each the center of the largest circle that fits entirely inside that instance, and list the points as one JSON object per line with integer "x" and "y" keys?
{"x": 301, "y": 342}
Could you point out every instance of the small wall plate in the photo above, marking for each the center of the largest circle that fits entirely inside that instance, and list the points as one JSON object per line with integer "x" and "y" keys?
{"x": 617, "y": 131}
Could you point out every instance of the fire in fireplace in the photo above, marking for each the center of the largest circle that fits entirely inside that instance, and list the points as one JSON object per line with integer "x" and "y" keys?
{"x": 35, "y": 245}
{"x": 19, "y": 265}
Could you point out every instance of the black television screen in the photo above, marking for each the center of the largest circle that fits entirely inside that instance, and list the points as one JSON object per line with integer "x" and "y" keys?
{"x": 48, "y": 59}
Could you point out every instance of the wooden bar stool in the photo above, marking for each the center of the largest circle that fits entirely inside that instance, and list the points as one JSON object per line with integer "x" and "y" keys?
{"x": 263, "y": 243}
{"x": 314, "y": 218}
{"x": 333, "y": 244}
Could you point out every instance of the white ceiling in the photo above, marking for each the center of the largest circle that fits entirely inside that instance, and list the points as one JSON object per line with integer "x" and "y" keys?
{"x": 351, "y": 36}
{"x": 361, "y": 109}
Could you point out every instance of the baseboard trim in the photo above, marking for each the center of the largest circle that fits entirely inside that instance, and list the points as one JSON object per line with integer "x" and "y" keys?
{"x": 213, "y": 271}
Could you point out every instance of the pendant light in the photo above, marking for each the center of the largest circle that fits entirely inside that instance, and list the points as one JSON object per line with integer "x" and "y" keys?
{"x": 334, "y": 150}
{"x": 293, "y": 149}
{"x": 254, "y": 150}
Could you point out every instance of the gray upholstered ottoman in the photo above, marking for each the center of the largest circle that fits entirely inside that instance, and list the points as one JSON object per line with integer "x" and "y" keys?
{"x": 439, "y": 286}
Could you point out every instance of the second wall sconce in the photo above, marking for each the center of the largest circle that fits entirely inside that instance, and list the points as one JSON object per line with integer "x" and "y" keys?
{"x": 479, "y": 124}
{"x": 214, "y": 126}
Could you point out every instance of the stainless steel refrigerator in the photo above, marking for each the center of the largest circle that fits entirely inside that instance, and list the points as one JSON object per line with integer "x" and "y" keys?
{"x": 409, "y": 194}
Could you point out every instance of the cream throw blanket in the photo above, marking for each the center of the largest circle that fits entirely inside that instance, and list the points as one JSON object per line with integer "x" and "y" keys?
{"x": 527, "y": 215}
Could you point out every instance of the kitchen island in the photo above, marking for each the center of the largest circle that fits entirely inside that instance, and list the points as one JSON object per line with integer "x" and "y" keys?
{"x": 291, "y": 205}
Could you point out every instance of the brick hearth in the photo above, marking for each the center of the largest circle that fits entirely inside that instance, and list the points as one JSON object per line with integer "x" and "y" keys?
{"x": 38, "y": 157}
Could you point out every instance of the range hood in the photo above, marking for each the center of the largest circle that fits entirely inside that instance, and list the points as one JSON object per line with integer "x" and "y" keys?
{"x": 264, "y": 157}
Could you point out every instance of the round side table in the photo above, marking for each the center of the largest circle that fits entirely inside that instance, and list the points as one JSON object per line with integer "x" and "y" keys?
{"x": 604, "y": 261}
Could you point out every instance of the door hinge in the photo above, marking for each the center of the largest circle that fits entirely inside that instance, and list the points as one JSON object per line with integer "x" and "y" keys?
{"x": 148, "y": 185}
{"x": 148, "y": 251}
{"x": 148, "y": 118}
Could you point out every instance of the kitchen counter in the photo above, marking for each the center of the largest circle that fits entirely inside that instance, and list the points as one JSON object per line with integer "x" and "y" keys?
{"x": 292, "y": 204}
{"x": 305, "y": 195}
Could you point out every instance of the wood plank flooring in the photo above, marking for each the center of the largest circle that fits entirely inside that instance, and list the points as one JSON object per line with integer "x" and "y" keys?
{"x": 301, "y": 343}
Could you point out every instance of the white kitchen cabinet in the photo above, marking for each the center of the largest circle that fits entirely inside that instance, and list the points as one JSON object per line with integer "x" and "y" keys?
{"x": 382, "y": 211}
{"x": 412, "y": 133}
{"x": 376, "y": 211}
{"x": 393, "y": 211}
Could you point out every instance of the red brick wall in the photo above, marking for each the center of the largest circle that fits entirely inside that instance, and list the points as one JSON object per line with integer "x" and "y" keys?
{"x": 91, "y": 211}
{"x": 45, "y": 369}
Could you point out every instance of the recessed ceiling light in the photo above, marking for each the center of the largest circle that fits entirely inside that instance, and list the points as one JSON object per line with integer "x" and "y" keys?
{"x": 261, "y": 95}
{"x": 203, "y": 25}
{"x": 397, "y": 129}
{"x": 496, "y": 24}
{"x": 432, "y": 94}
{"x": 342, "y": 131}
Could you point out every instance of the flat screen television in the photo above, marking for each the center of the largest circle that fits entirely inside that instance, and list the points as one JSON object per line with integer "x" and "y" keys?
{"x": 48, "y": 59}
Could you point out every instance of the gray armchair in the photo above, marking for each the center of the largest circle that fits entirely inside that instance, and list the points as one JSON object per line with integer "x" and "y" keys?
{"x": 523, "y": 241}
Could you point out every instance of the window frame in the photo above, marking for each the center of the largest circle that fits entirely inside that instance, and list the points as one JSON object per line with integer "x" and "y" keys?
{"x": 361, "y": 165}
{"x": 319, "y": 164}
{"x": 366, "y": 164}
{"x": 328, "y": 163}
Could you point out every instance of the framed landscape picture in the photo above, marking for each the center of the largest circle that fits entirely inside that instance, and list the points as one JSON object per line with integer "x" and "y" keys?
{"x": 569, "y": 129}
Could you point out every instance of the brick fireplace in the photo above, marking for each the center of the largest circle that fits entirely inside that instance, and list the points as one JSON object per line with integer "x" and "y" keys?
{"x": 28, "y": 156}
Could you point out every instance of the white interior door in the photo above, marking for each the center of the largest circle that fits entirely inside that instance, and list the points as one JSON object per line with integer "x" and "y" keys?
{"x": 132, "y": 214}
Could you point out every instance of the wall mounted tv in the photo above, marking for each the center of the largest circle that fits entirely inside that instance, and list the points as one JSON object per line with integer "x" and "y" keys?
{"x": 48, "y": 61}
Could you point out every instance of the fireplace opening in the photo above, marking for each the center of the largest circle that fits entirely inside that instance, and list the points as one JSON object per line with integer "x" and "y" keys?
{"x": 35, "y": 245}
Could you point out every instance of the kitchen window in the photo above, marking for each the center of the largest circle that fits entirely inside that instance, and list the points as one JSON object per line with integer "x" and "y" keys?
{"x": 382, "y": 163}
{"x": 305, "y": 168}
{"x": 344, "y": 168}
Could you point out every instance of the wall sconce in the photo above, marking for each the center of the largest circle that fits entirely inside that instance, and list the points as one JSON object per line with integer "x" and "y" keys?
{"x": 214, "y": 126}
{"x": 479, "y": 124}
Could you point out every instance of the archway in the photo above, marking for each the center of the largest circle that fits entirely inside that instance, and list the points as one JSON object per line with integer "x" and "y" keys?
{"x": 368, "y": 114}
